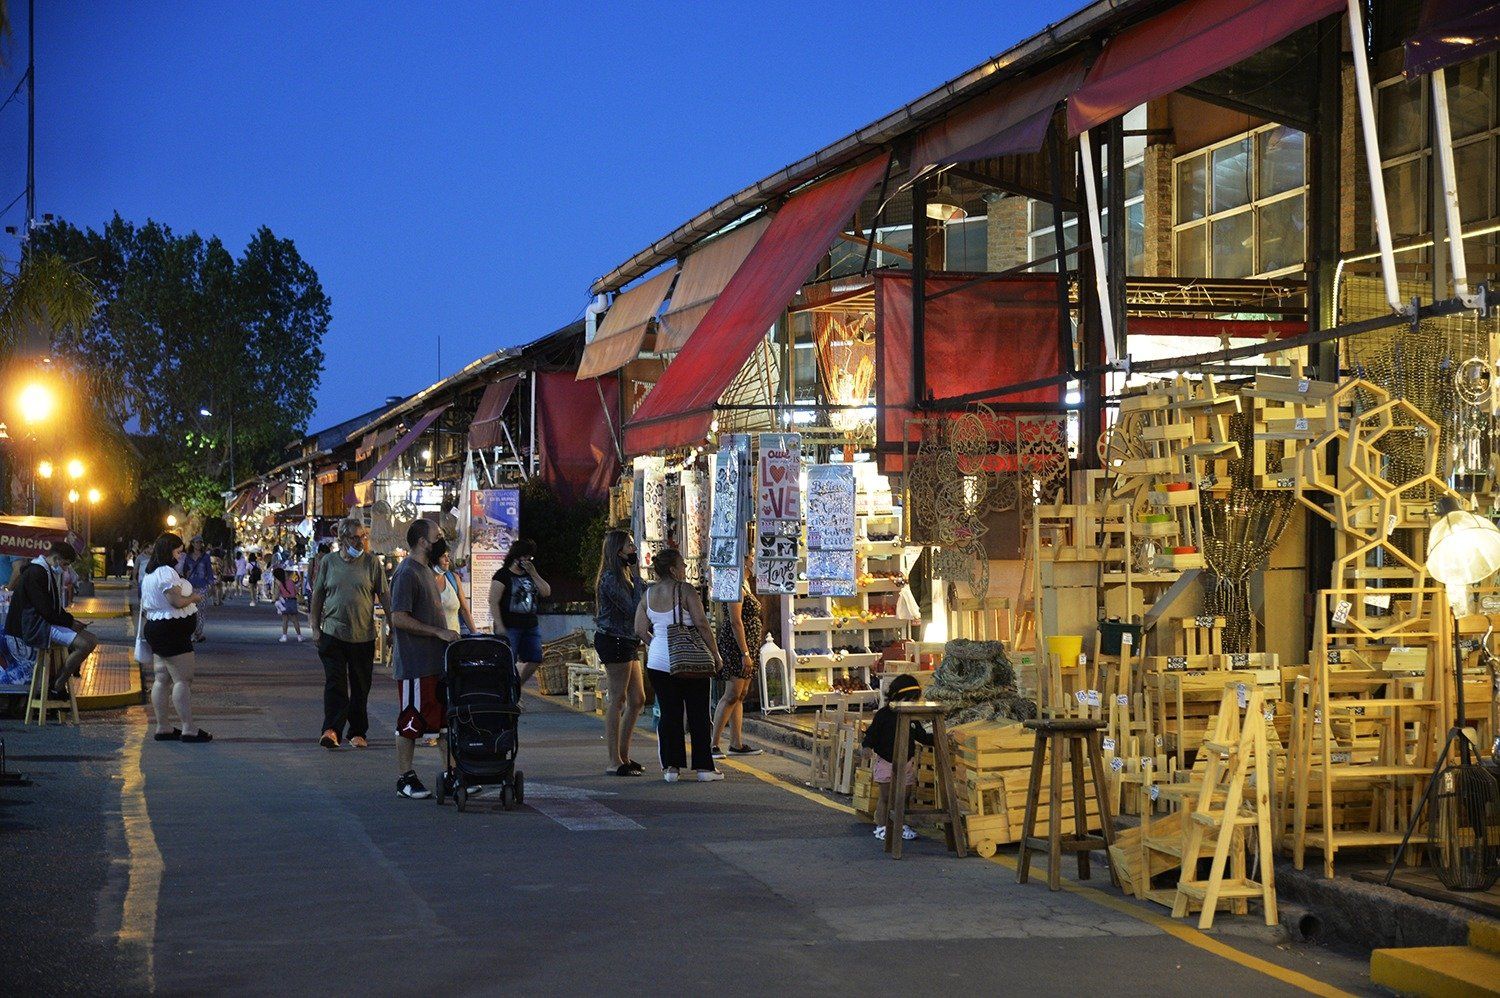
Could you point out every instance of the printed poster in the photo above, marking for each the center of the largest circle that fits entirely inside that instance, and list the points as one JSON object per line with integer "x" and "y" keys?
{"x": 778, "y": 513}
{"x": 494, "y": 522}
{"x": 830, "y": 530}
{"x": 729, "y": 512}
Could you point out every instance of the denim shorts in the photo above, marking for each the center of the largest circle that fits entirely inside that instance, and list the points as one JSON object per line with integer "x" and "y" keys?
{"x": 525, "y": 643}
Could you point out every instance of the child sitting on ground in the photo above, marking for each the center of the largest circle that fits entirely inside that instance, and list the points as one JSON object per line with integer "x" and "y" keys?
{"x": 880, "y": 738}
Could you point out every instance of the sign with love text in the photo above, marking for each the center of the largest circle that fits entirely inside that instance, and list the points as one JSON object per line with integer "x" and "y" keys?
{"x": 778, "y": 513}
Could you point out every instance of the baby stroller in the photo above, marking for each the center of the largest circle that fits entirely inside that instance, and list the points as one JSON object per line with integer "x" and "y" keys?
{"x": 484, "y": 695}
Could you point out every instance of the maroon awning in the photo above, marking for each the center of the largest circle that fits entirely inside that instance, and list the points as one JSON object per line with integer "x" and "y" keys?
{"x": 1452, "y": 31}
{"x": 1008, "y": 120}
{"x": 1181, "y": 46}
{"x": 678, "y": 410}
{"x": 29, "y": 536}
{"x": 484, "y": 431}
{"x": 399, "y": 447}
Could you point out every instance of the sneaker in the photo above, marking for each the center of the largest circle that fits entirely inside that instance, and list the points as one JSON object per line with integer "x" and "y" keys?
{"x": 743, "y": 750}
{"x": 880, "y": 832}
{"x": 299, "y": 639}
{"x": 283, "y": 639}
{"x": 908, "y": 833}
{"x": 709, "y": 775}
{"x": 408, "y": 785}
{"x": 718, "y": 753}
{"x": 330, "y": 740}
{"x": 358, "y": 741}
{"x": 670, "y": 775}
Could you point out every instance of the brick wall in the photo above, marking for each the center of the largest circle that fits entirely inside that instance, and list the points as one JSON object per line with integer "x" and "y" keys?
{"x": 1158, "y": 209}
{"x": 1007, "y": 246}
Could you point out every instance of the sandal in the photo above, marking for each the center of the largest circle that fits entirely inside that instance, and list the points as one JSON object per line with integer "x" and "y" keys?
{"x": 168, "y": 736}
{"x": 200, "y": 736}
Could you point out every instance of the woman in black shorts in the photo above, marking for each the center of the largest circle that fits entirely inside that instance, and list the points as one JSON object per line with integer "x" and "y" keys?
{"x": 169, "y": 608}
{"x": 618, "y": 589}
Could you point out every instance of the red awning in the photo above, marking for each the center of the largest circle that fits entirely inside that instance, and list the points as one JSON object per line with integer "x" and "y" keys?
{"x": 1452, "y": 31}
{"x": 678, "y": 410}
{"x": 1010, "y": 119}
{"x": 400, "y": 446}
{"x": 484, "y": 431}
{"x": 998, "y": 332}
{"x": 1181, "y": 46}
{"x": 29, "y": 536}
{"x": 623, "y": 330}
{"x": 574, "y": 440}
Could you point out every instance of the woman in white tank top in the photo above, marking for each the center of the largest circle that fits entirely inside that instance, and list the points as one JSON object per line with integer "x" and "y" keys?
{"x": 668, "y": 600}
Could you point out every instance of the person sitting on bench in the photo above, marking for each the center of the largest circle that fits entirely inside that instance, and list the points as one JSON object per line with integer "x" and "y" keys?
{"x": 38, "y": 589}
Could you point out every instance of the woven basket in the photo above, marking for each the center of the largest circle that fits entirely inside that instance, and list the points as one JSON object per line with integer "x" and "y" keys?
{"x": 557, "y": 655}
{"x": 552, "y": 679}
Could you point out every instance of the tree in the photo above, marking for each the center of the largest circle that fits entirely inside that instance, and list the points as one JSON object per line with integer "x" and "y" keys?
{"x": 191, "y": 329}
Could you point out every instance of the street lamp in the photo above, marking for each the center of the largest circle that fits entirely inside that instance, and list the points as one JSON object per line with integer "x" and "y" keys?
{"x": 94, "y": 496}
{"x": 75, "y": 469}
{"x": 171, "y": 521}
{"x": 73, "y": 496}
{"x": 37, "y": 402}
{"x": 44, "y": 469}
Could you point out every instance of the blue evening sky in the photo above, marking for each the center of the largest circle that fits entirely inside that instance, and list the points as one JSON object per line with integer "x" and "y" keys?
{"x": 454, "y": 169}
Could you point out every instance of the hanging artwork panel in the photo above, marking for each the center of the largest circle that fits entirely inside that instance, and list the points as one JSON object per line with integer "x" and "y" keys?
{"x": 830, "y": 530}
{"x": 778, "y": 513}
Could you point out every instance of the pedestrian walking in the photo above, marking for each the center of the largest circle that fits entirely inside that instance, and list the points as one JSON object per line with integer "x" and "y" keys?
{"x": 253, "y": 574}
{"x": 741, "y": 628}
{"x": 197, "y": 567}
{"x": 169, "y": 603}
{"x": 241, "y": 570}
{"x": 342, "y": 612}
{"x": 671, "y": 603}
{"x": 450, "y": 591}
{"x": 617, "y": 590}
{"x": 285, "y": 587}
{"x": 419, "y": 638}
{"x": 37, "y": 617}
{"x": 516, "y": 593}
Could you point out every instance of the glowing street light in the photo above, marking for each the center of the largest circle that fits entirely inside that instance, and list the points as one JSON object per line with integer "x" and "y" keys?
{"x": 73, "y": 496}
{"x": 171, "y": 520}
{"x": 37, "y": 402}
{"x": 75, "y": 469}
{"x": 204, "y": 412}
{"x": 94, "y": 496}
{"x": 44, "y": 469}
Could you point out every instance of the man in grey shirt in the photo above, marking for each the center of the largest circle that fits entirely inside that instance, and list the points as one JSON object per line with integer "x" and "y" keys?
{"x": 345, "y": 588}
{"x": 418, "y": 637}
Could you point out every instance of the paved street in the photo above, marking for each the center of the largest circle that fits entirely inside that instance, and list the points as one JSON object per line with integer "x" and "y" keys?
{"x": 263, "y": 863}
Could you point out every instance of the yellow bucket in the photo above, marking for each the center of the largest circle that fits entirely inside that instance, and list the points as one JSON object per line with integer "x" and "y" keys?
{"x": 1066, "y": 647}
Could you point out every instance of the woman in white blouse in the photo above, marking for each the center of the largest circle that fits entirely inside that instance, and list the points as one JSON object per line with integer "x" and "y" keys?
{"x": 169, "y": 608}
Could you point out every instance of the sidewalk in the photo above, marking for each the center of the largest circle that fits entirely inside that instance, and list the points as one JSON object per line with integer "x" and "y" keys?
{"x": 110, "y": 677}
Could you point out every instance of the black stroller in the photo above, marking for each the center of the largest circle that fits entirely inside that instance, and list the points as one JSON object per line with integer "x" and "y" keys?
{"x": 484, "y": 695}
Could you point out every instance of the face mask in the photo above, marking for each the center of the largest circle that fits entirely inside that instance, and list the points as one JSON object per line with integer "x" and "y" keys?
{"x": 630, "y": 559}
{"x": 353, "y": 550}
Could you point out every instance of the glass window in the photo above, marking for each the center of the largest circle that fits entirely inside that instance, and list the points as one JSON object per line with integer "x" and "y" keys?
{"x": 1042, "y": 245}
{"x": 1191, "y": 252}
{"x": 1406, "y": 198}
{"x": 1135, "y": 237}
{"x": 1135, "y": 181}
{"x": 1282, "y": 155}
{"x": 1472, "y": 165}
{"x": 966, "y": 245}
{"x": 897, "y": 237}
{"x": 1192, "y": 180}
{"x": 1470, "y": 86}
{"x": 1234, "y": 246}
{"x": 1281, "y": 234}
{"x": 1400, "y": 118}
{"x": 1231, "y": 164}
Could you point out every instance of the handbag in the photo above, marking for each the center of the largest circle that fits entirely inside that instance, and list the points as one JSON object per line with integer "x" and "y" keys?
{"x": 142, "y": 649}
{"x": 687, "y": 654}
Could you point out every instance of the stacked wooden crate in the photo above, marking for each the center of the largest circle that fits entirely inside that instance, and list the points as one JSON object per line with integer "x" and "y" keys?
{"x": 992, "y": 767}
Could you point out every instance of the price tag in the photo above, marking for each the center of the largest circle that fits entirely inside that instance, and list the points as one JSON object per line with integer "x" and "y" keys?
{"x": 1335, "y": 656}
{"x": 1380, "y": 601}
{"x": 1083, "y": 659}
{"x": 1390, "y": 524}
{"x": 1239, "y": 660}
{"x": 1270, "y": 714}
{"x": 1117, "y": 764}
{"x": 1092, "y": 698}
{"x": 1286, "y": 483}
{"x": 1127, "y": 639}
{"x": 1301, "y": 423}
{"x": 1242, "y": 695}
{"x": 1304, "y": 386}
{"x": 1176, "y": 663}
{"x": 1145, "y": 762}
{"x": 1339, "y": 757}
{"x": 1158, "y": 741}
{"x": 1317, "y": 715}
{"x": 1207, "y": 482}
{"x": 1123, "y": 699}
{"x": 1109, "y": 744}
{"x": 1341, "y": 612}
{"x": 1155, "y": 792}
{"x": 1203, "y": 620}
{"x": 1419, "y": 431}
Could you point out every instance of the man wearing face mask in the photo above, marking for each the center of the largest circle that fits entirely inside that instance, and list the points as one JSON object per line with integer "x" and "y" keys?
{"x": 37, "y": 616}
{"x": 344, "y": 591}
{"x": 419, "y": 638}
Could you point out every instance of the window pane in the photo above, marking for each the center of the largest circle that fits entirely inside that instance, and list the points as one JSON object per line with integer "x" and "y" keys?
{"x": 1281, "y": 234}
{"x": 1282, "y": 157}
{"x": 1135, "y": 180}
{"x": 1135, "y": 238}
{"x": 1399, "y": 121}
{"x": 1232, "y": 175}
{"x": 1190, "y": 252}
{"x": 1191, "y": 181}
{"x": 898, "y": 237}
{"x": 967, "y": 245}
{"x": 1234, "y": 246}
{"x": 1469, "y": 88}
{"x": 1472, "y": 164}
{"x": 1406, "y": 197}
{"x": 1043, "y": 245}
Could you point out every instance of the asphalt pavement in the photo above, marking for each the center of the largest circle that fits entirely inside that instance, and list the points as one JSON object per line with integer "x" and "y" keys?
{"x": 262, "y": 863}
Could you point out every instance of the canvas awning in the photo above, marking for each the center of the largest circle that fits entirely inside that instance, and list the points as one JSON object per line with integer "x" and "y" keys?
{"x": 292, "y": 514}
{"x": 328, "y": 476}
{"x": 484, "y": 431}
{"x": 705, "y": 273}
{"x": 623, "y": 330}
{"x": 1181, "y": 46}
{"x": 1452, "y": 31}
{"x": 1009, "y": 120}
{"x": 400, "y": 446}
{"x": 678, "y": 410}
{"x": 374, "y": 440}
{"x": 29, "y": 536}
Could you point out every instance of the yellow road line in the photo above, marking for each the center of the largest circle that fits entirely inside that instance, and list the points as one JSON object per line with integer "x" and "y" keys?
{"x": 138, "y": 912}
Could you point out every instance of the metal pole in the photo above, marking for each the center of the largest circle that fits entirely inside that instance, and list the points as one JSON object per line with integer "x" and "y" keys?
{"x": 531, "y": 448}
{"x": 30, "y": 117}
{"x": 919, "y": 293}
{"x": 1064, "y": 310}
{"x": 1449, "y": 178}
{"x": 1101, "y": 266}
{"x": 1372, "y": 156}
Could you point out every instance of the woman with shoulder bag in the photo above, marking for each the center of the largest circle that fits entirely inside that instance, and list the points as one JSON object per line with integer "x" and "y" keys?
{"x": 682, "y": 656}
{"x": 740, "y": 634}
{"x": 618, "y": 591}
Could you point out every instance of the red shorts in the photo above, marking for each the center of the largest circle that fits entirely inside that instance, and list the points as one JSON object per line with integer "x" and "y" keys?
{"x": 423, "y": 703}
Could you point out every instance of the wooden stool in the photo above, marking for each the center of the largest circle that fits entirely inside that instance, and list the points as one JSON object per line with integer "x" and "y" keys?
{"x": 39, "y": 698}
{"x": 947, "y": 802}
{"x": 1072, "y": 736}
